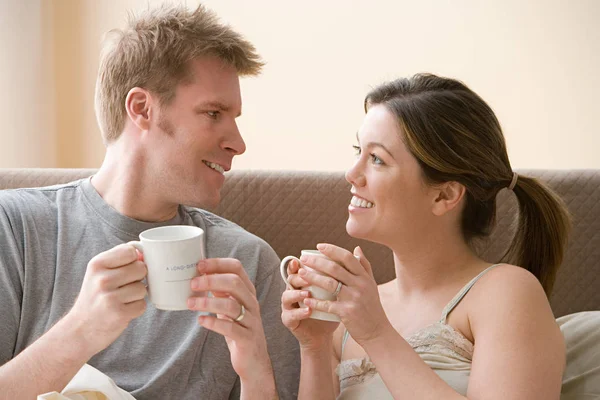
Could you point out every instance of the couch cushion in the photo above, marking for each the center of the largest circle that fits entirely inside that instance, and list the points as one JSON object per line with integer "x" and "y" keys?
{"x": 296, "y": 210}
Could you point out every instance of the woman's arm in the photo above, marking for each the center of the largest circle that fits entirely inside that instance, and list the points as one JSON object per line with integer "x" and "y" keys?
{"x": 316, "y": 338}
{"x": 520, "y": 350}
{"x": 316, "y": 378}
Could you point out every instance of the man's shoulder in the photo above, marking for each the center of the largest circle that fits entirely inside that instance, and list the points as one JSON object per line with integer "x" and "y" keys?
{"x": 39, "y": 192}
{"x": 225, "y": 238}
{"x": 16, "y": 201}
{"x": 215, "y": 224}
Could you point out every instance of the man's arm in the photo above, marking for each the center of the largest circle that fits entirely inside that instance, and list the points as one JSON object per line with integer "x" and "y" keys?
{"x": 47, "y": 365}
{"x": 53, "y": 359}
{"x": 110, "y": 298}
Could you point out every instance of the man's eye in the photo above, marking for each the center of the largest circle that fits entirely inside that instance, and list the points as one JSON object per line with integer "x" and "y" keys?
{"x": 356, "y": 150}
{"x": 213, "y": 114}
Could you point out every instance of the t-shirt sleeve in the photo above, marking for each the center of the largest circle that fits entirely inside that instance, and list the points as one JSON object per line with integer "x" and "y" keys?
{"x": 11, "y": 288}
{"x": 282, "y": 345}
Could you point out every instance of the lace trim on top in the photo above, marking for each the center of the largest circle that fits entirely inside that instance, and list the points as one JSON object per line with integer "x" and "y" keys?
{"x": 355, "y": 371}
{"x": 437, "y": 338}
{"x": 441, "y": 338}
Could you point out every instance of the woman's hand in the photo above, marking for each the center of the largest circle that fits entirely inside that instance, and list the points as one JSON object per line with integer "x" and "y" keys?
{"x": 358, "y": 304}
{"x": 311, "y": 333}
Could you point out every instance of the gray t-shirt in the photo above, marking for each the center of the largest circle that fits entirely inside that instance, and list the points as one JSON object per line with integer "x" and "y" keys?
{"x": 47, "y": 237}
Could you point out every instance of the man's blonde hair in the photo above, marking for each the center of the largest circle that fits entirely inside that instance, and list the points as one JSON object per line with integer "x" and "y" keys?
{"x": 154, "y": 53}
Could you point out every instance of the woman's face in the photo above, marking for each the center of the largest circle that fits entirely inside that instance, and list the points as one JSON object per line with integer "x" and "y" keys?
{"x": 391, "y": 201}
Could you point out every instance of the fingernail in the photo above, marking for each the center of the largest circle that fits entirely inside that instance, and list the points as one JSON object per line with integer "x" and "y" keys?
{"x": 195, "y": 284}
{"x": 307, "y": 302}
{"x": 302, "y": 271}
{"x": 321, "y": 246}
{"x": 303, "y": 257}
{"x": 304, "y": 293}
{"x": 190, "y": 303}
{"x": 201, "y": 265}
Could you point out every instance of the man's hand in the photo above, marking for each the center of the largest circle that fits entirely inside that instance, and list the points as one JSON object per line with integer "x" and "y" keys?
{"x": 111, "y": 295}
{"x": 232, "y": 290}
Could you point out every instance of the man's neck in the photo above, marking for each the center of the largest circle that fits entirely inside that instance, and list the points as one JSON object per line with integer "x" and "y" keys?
{"x": 123, "y": 183}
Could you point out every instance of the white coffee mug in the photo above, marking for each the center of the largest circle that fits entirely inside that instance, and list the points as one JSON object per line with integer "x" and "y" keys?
{"x": 315, "y": 291}
{"x": 171, "y": 254}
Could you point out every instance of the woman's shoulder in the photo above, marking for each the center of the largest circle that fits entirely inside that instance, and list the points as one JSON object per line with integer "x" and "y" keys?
{"x": 508, "y": 294}
{"x": 508, "y": 282}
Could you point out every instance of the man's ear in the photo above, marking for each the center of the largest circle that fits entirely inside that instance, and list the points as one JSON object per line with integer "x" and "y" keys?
{"x": 449, "y": 196}
{"x": 138, "y": 104}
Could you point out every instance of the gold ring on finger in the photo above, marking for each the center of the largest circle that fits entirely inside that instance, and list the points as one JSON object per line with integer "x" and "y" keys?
{"x": 242, "y": 314}
{"x": 337, "y": 289}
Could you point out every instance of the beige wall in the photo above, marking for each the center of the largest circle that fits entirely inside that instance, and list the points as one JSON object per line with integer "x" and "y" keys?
{"x": 27, "y": 135}
{"x": 536, "y": 62}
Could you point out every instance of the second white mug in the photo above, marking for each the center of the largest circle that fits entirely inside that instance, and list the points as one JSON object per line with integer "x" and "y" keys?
{"x": 315, "y": 291}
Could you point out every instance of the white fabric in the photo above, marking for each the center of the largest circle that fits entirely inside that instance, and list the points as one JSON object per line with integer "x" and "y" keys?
{"x": 89, "y": 384}
{"x": 581, "y": 379}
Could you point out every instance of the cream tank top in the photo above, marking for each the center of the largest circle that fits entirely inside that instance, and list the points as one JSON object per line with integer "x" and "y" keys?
{"x": 440, "y": 346}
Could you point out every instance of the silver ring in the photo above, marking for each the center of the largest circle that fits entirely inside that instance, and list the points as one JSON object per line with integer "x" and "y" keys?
{"x": 337, "y": 289}
{"x": 242, "y": 314}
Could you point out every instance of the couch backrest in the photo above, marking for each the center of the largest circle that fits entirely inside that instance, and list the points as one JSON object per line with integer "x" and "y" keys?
{"x": 297, "y": 210}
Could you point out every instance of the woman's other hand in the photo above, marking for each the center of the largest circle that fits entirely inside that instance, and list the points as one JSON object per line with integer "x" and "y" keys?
{"x": 311, "y": 333}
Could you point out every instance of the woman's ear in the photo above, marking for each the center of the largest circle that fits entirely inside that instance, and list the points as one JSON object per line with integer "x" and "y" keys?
{"x": 137, "y": 105}
{"x": 449, "y": 196}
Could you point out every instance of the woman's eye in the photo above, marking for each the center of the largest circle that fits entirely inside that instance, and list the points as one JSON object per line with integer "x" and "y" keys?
{"x": 376, "y": 160}
{"x": 356, "y": 150}
{"x": 213, "y": 114}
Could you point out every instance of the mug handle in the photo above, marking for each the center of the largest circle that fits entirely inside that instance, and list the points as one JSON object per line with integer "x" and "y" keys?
{"x": 283, "y": 269}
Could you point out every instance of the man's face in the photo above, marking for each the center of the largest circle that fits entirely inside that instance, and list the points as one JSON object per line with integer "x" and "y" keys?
{"x": 195, "y": 137}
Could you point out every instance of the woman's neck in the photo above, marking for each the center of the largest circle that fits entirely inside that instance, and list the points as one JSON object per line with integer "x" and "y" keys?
{"x": 438, "y": 260}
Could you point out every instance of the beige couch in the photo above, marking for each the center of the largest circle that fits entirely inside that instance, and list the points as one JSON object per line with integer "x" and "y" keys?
{"x": 296, "y": 210}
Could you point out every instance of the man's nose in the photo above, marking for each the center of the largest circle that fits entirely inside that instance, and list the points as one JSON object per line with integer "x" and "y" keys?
{"x": 234, "y": 141}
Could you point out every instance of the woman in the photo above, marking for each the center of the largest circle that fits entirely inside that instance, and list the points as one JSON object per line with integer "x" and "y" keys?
{"x": 431, "y": 158}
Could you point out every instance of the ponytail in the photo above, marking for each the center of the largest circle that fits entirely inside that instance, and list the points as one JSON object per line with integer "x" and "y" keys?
{"x": 542, "y": 231}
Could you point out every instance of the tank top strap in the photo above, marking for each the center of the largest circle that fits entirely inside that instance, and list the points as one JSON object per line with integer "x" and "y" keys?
{"x": 344, "y": 340}
{"x": 459, "y": 296}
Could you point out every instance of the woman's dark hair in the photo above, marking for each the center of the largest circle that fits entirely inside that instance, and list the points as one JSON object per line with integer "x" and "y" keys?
{"x": 455, "y": 136}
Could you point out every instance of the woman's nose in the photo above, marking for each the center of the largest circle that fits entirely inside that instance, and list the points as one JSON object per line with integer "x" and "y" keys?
{"x": 354, "y": 175}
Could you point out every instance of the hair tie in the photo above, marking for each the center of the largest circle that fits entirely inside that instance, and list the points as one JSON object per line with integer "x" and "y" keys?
{"x": 513, "y": 182}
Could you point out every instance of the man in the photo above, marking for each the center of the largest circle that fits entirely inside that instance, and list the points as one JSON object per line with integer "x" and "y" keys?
{"x": 167, "y": 99}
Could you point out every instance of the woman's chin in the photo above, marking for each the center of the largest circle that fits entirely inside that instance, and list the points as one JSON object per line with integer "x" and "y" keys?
{"x": 355, "y": 231}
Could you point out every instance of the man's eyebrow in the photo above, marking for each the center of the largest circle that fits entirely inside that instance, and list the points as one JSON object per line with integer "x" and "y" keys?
{"x": 214, "y": 104}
